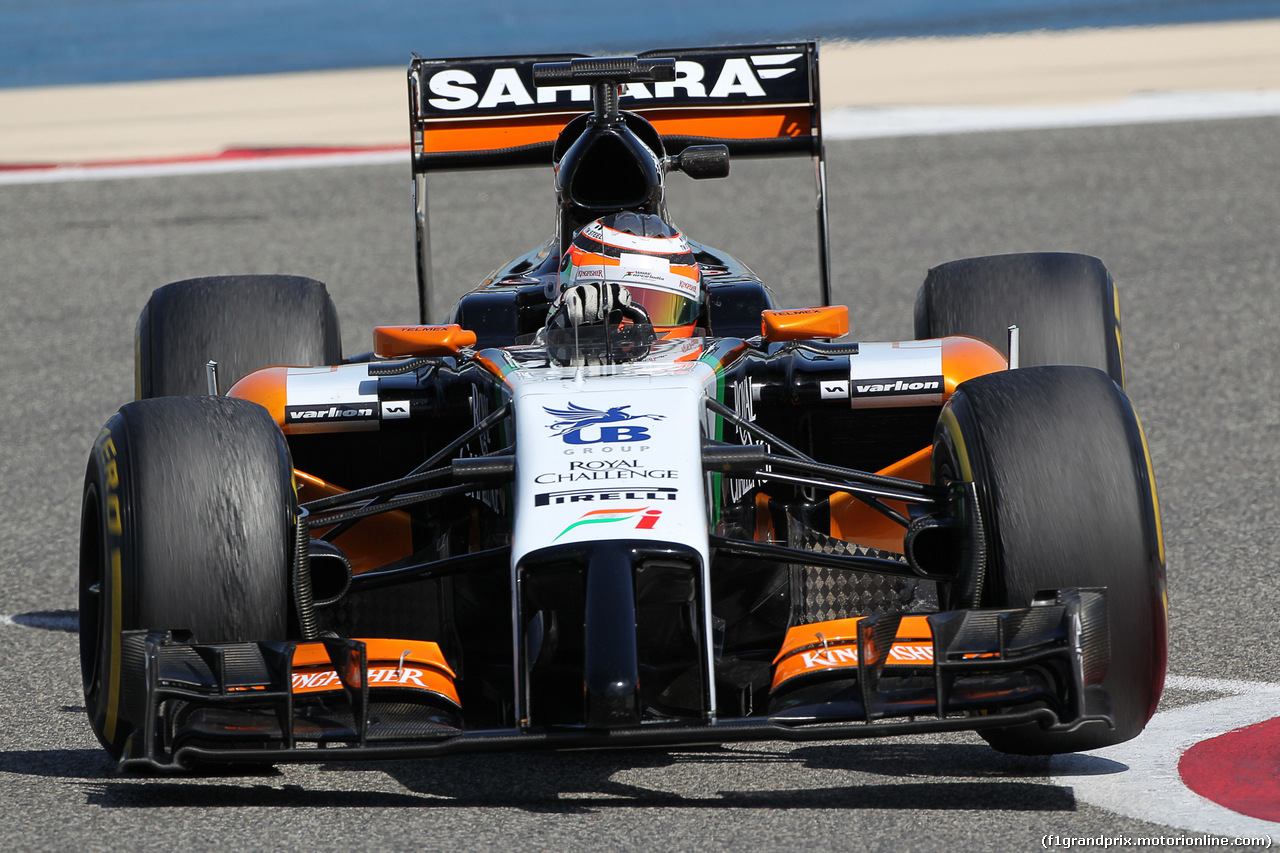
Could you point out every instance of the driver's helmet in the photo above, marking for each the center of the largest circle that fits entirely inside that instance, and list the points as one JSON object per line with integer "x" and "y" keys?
{"x": 647, "y": 256}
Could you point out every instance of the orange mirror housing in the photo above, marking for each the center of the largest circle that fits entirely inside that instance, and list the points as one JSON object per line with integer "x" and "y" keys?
{"x": 798, "y": 324}
{"x": 396, "y": 341}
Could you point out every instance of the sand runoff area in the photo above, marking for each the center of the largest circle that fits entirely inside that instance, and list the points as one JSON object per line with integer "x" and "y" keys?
{"x": 366, "y": 107}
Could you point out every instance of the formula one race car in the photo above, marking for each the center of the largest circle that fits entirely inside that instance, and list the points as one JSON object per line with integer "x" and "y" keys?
{"x": 618, "y": 498}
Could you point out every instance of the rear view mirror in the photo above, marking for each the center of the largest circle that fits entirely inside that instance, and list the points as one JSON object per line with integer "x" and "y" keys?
{"x": 703, "y": 161}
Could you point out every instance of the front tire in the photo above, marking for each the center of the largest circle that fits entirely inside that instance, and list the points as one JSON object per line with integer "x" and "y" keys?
{"x": 1067, "y": 498}
{"x": 186, "y": 523}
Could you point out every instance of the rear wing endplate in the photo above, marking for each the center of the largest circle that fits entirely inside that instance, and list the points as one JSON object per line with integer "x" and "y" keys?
{"x": 486, "y": 113}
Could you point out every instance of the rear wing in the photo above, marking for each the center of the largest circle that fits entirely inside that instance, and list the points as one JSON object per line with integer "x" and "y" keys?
{"x": 486, "y": 113}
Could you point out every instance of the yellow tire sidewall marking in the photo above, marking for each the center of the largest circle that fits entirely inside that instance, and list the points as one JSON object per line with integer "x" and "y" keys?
{"x": 109, "y": 462}
{"x": 948, "y": 420}
{"x": 1119, "y": 339}
{"x": 113, "y": 672}
{"x": 1151, "y": 478}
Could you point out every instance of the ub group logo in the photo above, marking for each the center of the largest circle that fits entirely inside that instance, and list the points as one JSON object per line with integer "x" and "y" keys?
{"x": 580, "y": 425}
{"x": 645, "y": 518}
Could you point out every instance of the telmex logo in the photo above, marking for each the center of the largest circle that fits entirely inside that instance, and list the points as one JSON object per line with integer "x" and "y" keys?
{"x": 736, "y": 78}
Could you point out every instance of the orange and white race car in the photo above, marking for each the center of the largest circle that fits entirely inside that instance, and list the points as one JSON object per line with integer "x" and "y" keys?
{"x": 617, "y": 497}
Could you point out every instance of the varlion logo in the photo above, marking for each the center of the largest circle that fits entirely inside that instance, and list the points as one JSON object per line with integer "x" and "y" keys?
{"x": 338, "y": 412}
{"x": 891, "y": 387}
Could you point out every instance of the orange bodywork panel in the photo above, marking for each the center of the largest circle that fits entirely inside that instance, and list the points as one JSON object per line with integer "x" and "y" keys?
{"x": 733, "y": 124}
{"x": 764, "y": 520}
{"x": 489, "y": 134}
{"x": 397, "y": 341}
{"x": 798, "y": 324}
{"x": 963, "y": 358}
{"x": 371, "y": 543}
{"x": 409, "y": 664}
{"x": 268, "y": 388}
{"x": 826, "y": 646}
{"x": 854, "y": 521}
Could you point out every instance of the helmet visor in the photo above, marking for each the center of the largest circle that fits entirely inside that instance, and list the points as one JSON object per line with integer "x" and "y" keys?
{"x": 669, "y": 292}
{"x": 664, "y": 307}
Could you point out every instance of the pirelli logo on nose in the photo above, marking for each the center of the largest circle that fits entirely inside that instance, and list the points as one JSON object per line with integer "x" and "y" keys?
{"x": 896, "y": 386}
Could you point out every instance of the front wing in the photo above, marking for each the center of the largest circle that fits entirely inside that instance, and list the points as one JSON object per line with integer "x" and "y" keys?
{"x": 347, "y": 699}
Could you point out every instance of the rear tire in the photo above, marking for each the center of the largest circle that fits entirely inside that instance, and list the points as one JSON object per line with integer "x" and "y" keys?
{"x": 187, "y": 523}
{"x": 1067, "y": 499}
{"x": 242, "y": 322}
{"x": 1065, "y": 306}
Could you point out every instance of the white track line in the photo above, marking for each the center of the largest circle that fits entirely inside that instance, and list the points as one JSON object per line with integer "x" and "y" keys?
{"x": 1139, "y": 778}
{"x": 1219, "y": 685}
{"x": 203, "y": 167}
{"x": 844, "y": 123}
{"x": 1147, "y": 108}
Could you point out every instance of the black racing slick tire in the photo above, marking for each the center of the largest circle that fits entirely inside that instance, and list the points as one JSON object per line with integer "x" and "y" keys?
{"x": 187, "y": 524}
{"x": 243, "y": 322}
{"x": 1065, "y": 306}
{"x": 1066, "y": 498}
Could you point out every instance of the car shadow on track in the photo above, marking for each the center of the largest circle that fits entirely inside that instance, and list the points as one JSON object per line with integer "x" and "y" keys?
{"x": 930, "y": 776}
{"x": 64, "y": 621}
{"x": 938, "y": 777}
{"x": 67, "y": 764}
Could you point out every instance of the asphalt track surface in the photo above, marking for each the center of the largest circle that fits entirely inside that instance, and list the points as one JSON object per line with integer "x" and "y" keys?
{"x": 1185, "y": 216}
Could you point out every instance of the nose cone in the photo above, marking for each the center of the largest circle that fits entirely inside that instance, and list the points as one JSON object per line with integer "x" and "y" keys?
{"x": 611, "y": 674}
{"x": 613, "y": 704}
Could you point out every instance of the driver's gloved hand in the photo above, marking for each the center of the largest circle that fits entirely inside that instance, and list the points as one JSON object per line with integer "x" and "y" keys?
{"x": 587, "y": 304}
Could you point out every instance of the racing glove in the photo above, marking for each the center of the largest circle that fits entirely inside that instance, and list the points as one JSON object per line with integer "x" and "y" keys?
{"x": 596, "y": 304}
{"x": 588, "y": 304}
